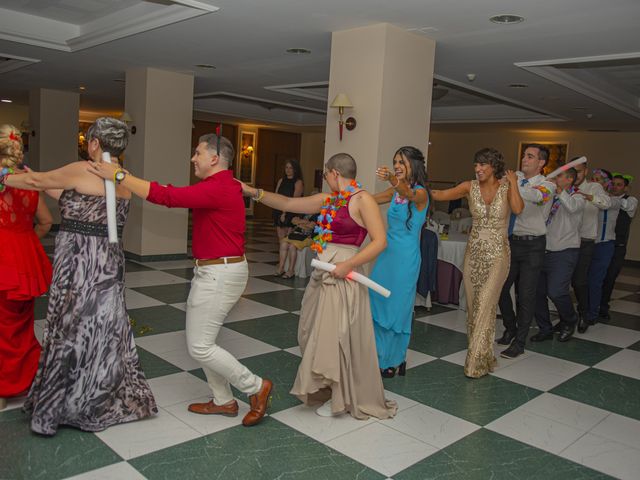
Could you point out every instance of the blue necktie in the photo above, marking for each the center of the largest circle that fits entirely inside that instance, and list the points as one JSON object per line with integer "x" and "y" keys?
{"x": 512, "y": 219}
{"x": 604, "y": 226}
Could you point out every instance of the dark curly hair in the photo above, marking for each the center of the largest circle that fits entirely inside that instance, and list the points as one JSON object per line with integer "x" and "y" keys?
{"x": 415, "y": 158}
{"x": 492, "y": 157}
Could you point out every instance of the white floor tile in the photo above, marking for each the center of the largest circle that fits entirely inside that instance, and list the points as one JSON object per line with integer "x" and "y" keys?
{"x": 135, "y": 299}
{"x": 625, "y": 362}
{"x": 562, "y": 410}
{"x": 261, "y": 269}
{"x": 454, "y": 320}
{"x": 15, "y": 402}
{"x": 616, "y": 294}
{"x": 629, "y": 279}
{"x": 119, "y": 471}
{"x": 207, "y": 424}
{"x": 431, "y": 426}
{"x": 619, "y": 429}
{"x": 151, "y": 278}
{"x": 262, "y": 257}
{"x": 39, "y": 332}
{"x": 180, "y": 306}
{"x": 540, "y": 371}
{"x": 257, "y": 285}
{"x": 178, "y": 388}
{"x": 170, "y": 264}
{"x": 610, "y": 335}
{"x": 133, "y": 439}
{"x": 181, "y": 359}
{"x": 294, "y": 350}
{"x": 163, "y": 342}
{"x": 382, "y": 448}
{"x": 606, "y": 456}
{"x": 625, "y": 306}
{"x": 242, "y": 346}
{"x": 323, "y": 429}
{"x": 247, "y": 309}
{"x": 459, "y": 357}
{"x": 417, "y": 358}
{"x": 403, "y": 402}
{"x": 536, "y": 430}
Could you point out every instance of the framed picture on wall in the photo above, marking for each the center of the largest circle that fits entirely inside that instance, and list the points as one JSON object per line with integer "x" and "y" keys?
{"x": 558, "y": 154}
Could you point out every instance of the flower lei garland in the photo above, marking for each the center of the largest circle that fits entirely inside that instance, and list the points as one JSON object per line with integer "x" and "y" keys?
{"x": 3, "y": 174}
{"x": 605, "y": 176}
{"x": 14, "y": 137}
{"x": 328, "y": 213}
{"x": 546, "y": 194}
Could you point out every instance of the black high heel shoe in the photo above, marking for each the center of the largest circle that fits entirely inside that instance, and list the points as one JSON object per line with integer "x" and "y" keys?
{"x": 388, "y": 372}
{"x": 402, "y": 369}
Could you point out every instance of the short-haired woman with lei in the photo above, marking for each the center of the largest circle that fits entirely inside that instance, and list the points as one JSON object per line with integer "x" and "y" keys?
{"x": 339, "y": 368}
{"x": 25, "y": 270}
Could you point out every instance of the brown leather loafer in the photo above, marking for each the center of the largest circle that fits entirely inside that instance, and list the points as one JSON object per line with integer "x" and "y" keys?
{"x": 210, "y": 408}
{"x": 259, "y": 403}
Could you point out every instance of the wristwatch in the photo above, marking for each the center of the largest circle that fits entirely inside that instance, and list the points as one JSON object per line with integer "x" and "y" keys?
{"x": 119, "y": 176}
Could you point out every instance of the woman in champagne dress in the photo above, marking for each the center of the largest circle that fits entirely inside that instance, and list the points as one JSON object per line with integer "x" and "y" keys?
{"x": 493, "y": 196}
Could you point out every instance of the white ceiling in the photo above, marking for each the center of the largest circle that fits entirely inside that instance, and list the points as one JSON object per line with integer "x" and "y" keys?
{"x": 578, "y": 57}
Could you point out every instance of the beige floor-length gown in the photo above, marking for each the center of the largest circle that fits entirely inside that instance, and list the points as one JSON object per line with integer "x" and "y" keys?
{"x": 486, "y": 266}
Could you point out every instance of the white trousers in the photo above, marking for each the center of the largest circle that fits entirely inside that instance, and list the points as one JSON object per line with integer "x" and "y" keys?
{"x": 215, "y": 289}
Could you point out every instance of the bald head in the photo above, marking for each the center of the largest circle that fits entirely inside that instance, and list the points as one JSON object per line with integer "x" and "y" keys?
{"x": 344, "y": 164}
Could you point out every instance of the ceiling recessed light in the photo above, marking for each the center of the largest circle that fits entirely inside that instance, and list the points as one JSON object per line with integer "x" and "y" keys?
{"x": 518, "y": 85}
{"x": 6, "y": 100}
{"x": 206, "y": 66}
{"x": 299, "y": 51}
{"x": 506, "y": 19}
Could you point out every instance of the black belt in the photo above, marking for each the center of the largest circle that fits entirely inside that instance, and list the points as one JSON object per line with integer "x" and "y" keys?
{"x": 525, "y": 237}
{"x": 87, "y": 228}
{"x": 587, "y": 240}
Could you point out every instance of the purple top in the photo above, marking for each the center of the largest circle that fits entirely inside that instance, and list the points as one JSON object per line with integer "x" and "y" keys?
{"x": 345, "y": 230}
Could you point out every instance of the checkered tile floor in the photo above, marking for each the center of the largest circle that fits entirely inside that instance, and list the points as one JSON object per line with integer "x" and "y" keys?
{"x": 565, "y": 411}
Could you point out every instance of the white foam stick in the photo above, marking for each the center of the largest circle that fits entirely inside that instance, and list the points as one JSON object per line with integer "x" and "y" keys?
{"x": 355, "y": 276}
{"x": 110, "y": 196}
{"x": 567, "y": 166}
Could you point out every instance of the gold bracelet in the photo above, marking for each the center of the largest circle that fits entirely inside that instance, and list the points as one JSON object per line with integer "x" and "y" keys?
{"x": 259, "y": 195}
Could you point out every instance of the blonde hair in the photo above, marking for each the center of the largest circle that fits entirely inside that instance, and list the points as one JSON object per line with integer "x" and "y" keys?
{"x": 11, "y": 148}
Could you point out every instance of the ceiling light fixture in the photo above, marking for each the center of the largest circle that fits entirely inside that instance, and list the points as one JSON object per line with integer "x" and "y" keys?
{"x": 206, "y": 66}
{"x": 518, "y": 85}
{"x": 6, "y": 100}
{"x": 82, "y": 88}
{"x": 298, "y": 51}
{"x": 506, "y": 19}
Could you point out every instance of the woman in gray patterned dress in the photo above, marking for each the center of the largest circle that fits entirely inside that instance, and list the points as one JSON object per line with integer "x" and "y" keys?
{"x": 89, "y": 375}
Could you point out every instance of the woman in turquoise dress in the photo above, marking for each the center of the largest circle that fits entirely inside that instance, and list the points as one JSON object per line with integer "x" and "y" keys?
{"x": 398, "y": 266}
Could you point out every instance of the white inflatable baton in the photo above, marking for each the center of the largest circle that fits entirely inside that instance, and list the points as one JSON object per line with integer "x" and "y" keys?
{"x": 110, "y": 196}
{"x": 567, "y": 166}
{"x": 355, "y": 276}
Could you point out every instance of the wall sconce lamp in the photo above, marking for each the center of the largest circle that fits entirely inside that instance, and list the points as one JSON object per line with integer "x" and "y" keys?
{"x": 341, "y": 102}
{"x": 126, "y": 118}
{"x": 247, "y": 150}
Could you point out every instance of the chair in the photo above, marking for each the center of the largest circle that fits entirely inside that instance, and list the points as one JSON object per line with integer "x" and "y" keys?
{"x": 460, "y": 213}
{"x": 441, "y": 218}
{"x": 462, "y": 225}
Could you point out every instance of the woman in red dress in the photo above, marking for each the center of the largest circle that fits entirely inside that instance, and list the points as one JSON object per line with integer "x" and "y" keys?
{"x": 25, "y": 271}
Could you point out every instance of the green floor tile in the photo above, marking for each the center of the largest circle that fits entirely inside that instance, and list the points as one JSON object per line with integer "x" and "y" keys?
{"x": 635, "y": 346}
{"x": 624, "y": 320}
{"x": 575, "y": 350}
{"x": 288, "y": 300}
{"x": 25, "y": 455}
{"x": 294, "y": 282}
{"x": 173, "y": 293}
{"x": 278, "y": 330}
{"x": 442, "y": 385}
{"x": 436, "y": 308}
{"x": 436, "y": 341}
{"x": 40, "y": 308}
{"x": 131, "y": 266}
{"x": 181, "y": 272}
{"x": 279, "y": 367}
{"x": 154, "y": 320}
{"x": 486, "y": 455}
{"x": 154, "y": 366}
{"x": 609, "y": 391}
{"x": 270, "y": 450}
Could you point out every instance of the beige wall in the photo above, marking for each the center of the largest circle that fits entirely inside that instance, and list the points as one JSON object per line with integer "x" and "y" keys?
{"x": 161, "y": 104}
{"x": 311, "y": 157}
{"x": 13, "y": 114}
{"x": 451, "y": 155}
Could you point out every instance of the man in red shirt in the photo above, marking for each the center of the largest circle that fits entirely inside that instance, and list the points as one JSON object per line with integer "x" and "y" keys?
{"x": 221, "y": 271}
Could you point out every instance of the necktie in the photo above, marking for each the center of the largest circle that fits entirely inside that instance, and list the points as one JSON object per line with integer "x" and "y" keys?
{"x": 512, "y": 219}
{"x": 555, "y": 205}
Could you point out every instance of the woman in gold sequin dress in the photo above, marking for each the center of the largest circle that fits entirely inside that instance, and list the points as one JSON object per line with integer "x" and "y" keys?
{"x": 493, "y": 196}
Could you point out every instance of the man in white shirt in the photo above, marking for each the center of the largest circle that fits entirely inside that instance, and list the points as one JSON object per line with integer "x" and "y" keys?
{"x": 527, "y": 241}
{"x": 619, "y": 189}
{"x": 560, "y": 259}
{"x": 596, "y": 200}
